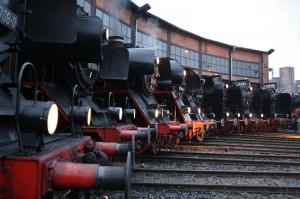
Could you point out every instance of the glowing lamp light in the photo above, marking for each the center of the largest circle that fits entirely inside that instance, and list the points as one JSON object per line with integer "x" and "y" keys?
{"x": 82, "y": 115}
{"x": 226, "y": 86}
{"x": 239, "y": 115}
{"x": 188, "y": 110}
{"x": 115, "y": 112}
{"x": 157, "y": 60}
{"x": 227, "y": 114}
{"x": 262, "y": 115}
{"x": 52, "y": 119}
{"x": 154, "y": 113}
{"x": 184, "y": 73}
{"x": 105, "y": 34}
{"x": 275, "y": 115}
{"x": 250, "y": 115}
{"x": 199, "y": 110}
{"x": 39, "y": 117}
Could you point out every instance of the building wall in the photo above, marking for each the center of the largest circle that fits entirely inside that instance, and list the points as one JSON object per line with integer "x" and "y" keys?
{"x": 214, "y": 49}
{"x": 297, "y": 86}
{"x": 184, "y": 41}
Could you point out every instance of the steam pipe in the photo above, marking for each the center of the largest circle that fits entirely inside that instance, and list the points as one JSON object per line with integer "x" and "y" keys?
{"x": 139, "y": 134}
{"x": 112, "y": 148}
{"x": 69, "y": 175}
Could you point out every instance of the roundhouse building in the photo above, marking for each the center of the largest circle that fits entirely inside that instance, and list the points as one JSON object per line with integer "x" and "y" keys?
{"x": 204, "y": 56}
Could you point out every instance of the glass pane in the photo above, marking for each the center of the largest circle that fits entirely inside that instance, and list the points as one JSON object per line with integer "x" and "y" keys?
{"x": 150, "y": 40}
{"x": 112, "y": 24}
{"x": 129, "y": 32}
{"x": 99, "y": 13}
{"x": 144, "y": 39}
{"x": 209, "y": 59}
{"x": 239, "y": 72}
{"x": 80, "y": 2}
{"x": 214, "y": 60}
{"x": 118, "y": 28}
{"x": 159, "y": 45}
{"x": 87, "y": 7}
{"x": 226, "y": 63}
{"x": 177, "y": 51}
{"x": 164, "y": 46}
{"x": 124, "y": 30}
{"x": 172, "y": 50}
{"x": 105, "y": 20}
{"x": 139, "y": 37}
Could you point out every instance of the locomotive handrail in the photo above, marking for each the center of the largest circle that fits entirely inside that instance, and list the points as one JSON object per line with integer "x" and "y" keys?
{"x": 18, "y": 100}
{"x": 72, "y": 108}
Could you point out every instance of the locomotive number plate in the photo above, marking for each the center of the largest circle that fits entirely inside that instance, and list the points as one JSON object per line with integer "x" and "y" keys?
{"x": 8, "y": 18}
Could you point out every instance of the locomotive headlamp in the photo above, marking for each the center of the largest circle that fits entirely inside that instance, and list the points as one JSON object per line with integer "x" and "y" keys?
{"x": 262, "y": 115}
{"x": 250, "y": 115}
{"x": 105, "y": 34}
{"x": 239, "y": 115}
{"x": 82, "y": 115}
{"x": 199, "y": 110}
{"x": 154, "y": 113}
{"x": 250, "y": 88}
{"x": 184, "y": 73}
{"x": 115, "y": 112}
{"x": 166, "y": 113}
{"x": 40, "y": 117}
{"x": 227, "y": 114}
{"x": 188, "y": 110}
{"x": 226, "y": 86}
{"x": 157, "y": 60}
{"x": 129, "y": 113}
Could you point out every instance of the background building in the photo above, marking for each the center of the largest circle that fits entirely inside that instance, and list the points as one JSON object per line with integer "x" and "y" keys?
{"x": 286, "y": 79}
{"x": 204, "y": 56}
{"x": 297, "y": 86}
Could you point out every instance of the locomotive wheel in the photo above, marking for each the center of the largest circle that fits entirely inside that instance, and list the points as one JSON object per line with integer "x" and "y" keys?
{"x": 200, "y": 135}
{"x": 240, "y": 128}
{"x": 86, "y": 73}
{"x": 155, "y": 146}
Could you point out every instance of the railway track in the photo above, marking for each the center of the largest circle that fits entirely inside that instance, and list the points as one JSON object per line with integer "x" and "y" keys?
{"x": 251, "y": 181}
{"x": 248, "y": 167}
{"x": 230, "y": 166}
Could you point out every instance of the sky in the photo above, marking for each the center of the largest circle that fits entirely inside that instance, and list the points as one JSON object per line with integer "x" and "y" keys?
{"x": 255, "y": 24}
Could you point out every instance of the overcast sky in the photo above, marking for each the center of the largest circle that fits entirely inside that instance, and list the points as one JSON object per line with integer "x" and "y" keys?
{"x": 254, "y": 24}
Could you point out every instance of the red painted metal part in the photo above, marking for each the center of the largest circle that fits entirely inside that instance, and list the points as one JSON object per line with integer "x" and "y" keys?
{"x": 69, "y": 175}
{"x": 112, "y": 149}
{"x": 52, "y": 98}
{"x": 35, "y": 176}
{"x": 118, "y": 134}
